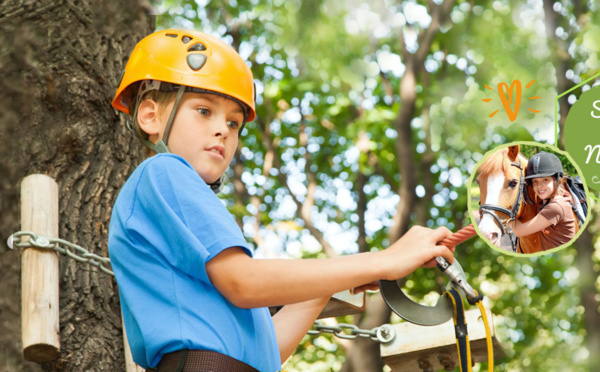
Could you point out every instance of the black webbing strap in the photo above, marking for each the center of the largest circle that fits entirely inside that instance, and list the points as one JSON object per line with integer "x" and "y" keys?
{"x": 200, "y": 360}
{"x": 460, "y": 330}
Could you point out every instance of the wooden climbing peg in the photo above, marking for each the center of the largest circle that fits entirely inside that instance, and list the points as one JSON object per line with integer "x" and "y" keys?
{"x": 39, "y": 271}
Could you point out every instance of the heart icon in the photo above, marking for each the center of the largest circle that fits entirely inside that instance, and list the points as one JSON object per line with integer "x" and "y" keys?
{"x": 506, "y": 96}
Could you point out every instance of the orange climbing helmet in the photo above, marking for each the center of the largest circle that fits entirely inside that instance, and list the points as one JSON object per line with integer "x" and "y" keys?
{"x": 192, "y": 59}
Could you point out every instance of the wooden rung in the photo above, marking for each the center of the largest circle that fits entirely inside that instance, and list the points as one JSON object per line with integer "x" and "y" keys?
{"x": 340, "y": 304}
{"x": 415, "y": 347}
{"x": 344, "y": 303}
{"x": 39, "y": 271}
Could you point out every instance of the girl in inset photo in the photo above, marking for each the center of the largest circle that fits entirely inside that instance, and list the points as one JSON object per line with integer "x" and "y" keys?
{"x": 556, "y": 220}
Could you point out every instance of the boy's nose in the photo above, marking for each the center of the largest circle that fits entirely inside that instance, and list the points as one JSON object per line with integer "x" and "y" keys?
{"x": 221, "y": 128}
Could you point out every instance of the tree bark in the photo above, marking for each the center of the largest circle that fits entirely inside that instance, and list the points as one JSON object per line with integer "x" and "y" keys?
{"x": 61, "y": 63}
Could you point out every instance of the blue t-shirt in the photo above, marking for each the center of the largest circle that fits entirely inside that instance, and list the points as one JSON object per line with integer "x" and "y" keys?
{"x": 165, "y": 226}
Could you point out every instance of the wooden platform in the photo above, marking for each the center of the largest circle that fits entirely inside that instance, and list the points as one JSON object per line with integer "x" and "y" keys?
{"x": 340, "y": 304}
{"x": 344, "y": 303}
{"x": 420, "y": 348}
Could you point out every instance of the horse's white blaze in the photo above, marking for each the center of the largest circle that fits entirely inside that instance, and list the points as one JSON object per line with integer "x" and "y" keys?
{"x": 487, "y": 224}
{"x": 494, "y": 186}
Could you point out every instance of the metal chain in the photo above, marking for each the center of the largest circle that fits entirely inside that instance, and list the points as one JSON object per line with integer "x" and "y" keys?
{"x": 346, "y": 331}
{"x": 381, "y": 334}
{"x": 69, "y": 249}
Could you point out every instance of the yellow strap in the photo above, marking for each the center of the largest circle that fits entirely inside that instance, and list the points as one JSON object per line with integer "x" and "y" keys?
{"x": 488, "y": 336}
{"x": 458, "y": 307}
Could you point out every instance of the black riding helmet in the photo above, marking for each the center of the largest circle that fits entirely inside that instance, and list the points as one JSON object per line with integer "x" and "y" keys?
{"x": 544, "y": 164}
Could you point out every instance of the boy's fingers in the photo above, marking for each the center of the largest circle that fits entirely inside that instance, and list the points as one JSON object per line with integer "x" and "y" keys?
{"x": 440, "y": 233}
{"x": 446, "y": 253}
{"x": 365, "y": 287}
{"x": 437, "y": 251}
{"x": 430, "y": 264}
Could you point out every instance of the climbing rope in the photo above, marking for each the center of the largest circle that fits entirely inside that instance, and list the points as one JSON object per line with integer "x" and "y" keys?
{"x": 460, "y": 236}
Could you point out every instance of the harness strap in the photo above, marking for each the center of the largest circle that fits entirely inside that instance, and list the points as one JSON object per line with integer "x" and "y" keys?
{"x": 460, "y": 323}
{"x": 490, "y": 209}
{"x": 460, "y": 330}
{"x": 461, "y": 333}
{"x": 488, "y": 336}
{"x": 200, "y": 360}
{"x": 515, "y": 242}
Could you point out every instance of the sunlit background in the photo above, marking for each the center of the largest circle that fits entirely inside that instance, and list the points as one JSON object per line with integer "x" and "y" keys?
{"x": 345, "y": 87}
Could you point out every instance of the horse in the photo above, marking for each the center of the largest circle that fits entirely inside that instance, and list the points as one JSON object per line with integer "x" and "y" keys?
{"x": 506, "y": 196}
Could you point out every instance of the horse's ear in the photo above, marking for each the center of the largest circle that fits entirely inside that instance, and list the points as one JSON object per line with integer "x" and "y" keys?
{"x": 513, "y": 152}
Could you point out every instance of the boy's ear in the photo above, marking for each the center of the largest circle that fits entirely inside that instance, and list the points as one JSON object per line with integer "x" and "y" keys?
{"x": 148, "y": 117}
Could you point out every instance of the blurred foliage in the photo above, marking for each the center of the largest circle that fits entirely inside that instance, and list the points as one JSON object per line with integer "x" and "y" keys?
{"x": 328, "y": 75}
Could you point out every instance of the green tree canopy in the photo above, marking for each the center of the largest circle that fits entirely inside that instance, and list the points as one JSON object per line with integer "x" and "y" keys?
{"x": 318, "y": 172}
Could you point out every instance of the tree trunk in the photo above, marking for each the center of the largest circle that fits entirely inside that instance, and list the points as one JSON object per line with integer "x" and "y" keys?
{"x": 561, "y": 60}
{"x": 589, "y": 294}
{"x": 61, "y": 63}
{"x": 365, "y": 356}
{"x": 585, "y": 242}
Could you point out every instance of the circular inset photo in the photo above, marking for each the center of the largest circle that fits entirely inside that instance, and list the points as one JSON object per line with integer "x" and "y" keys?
{"x": 527, "y": 198}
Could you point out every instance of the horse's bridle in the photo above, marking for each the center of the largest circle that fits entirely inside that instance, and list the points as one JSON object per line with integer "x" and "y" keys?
{"x": 491, "y": 209}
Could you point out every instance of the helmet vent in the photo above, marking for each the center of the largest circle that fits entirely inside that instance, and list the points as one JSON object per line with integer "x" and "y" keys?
{"x": 196, "y": 61}
{"x": 172, "y": 35}
{"x": 198, "y": 47}
{"x": 536, "y": 164}
{"x": 186, "y": 39}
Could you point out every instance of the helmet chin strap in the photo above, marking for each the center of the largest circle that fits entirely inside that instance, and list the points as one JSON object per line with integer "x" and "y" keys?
{"x": 161, "y": 146}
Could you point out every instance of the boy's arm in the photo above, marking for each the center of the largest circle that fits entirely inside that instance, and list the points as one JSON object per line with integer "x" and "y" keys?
{"x": 293, "y": 321}
{"x": 250, "y": 283}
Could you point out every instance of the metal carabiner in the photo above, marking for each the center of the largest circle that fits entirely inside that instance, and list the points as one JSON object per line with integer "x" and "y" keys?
{"x": 416, "y": 313}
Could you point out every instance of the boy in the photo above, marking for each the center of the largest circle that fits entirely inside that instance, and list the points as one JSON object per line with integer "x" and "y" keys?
{"x": 192, "y": 296}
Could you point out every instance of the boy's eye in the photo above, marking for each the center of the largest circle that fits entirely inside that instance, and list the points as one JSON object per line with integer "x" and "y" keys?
{"x": 233, "y": 124}
{"x": 203, "y": 111}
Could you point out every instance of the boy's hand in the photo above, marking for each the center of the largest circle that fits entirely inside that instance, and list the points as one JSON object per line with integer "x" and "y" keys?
{"x": 365, "y": 287}
{"x": 417, "y": 248}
